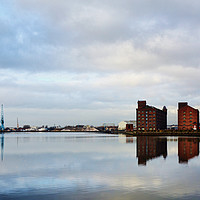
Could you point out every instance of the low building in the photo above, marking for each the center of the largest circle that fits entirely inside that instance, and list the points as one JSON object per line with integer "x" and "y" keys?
{"x": 150, "y": 118}
{"x": 127, "y": 125}
{"x": 188, "y": 117}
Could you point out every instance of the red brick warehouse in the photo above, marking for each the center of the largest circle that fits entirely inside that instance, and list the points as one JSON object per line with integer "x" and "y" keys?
{"x": 188, "y": 117}
{"x": 150, "y": 118}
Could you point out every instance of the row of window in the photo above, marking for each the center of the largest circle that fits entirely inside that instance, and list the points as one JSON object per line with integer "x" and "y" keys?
{"x": 146, "y": 111}
{"x": 142, "y": 122}
{"x": 148, "y": 129}
{"x": 188, "y": 125}
{"x": 146, "y": 115}
{"x": 189, "y": 115}
{"x": 146, "y": 125}
{"x": 150, "y": 118}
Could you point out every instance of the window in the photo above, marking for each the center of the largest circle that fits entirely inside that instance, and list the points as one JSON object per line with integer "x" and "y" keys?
{"x": 138, "y": 111}
{"x": 190, "y": 115}
{"x": 190, "y": 111}
{"x": 138, "y": 114}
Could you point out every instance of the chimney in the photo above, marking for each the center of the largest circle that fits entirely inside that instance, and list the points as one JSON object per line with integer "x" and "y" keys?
{"x": 141, "y": 104}
{"x": 182, "y": 104}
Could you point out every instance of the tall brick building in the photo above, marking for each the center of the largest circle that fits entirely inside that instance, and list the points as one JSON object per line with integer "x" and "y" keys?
{"x": 150, "y": 118}
{"x": 188, "y": 117}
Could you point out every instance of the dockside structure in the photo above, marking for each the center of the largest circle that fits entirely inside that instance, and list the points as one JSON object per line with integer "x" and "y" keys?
{"x": 188, "y": 117}
{"x": 150, "y": 118}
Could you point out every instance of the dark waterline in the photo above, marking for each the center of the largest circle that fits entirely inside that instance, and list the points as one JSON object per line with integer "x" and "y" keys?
{"x": 98, "y": 166}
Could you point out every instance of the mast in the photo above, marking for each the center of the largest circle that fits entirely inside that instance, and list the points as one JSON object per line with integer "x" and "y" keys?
{"x": 17, "y": 123}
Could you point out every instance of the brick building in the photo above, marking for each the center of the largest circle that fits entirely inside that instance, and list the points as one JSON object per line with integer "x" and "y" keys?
{"x": 188, "y": 148}
{"x": 150, "y": 118}
{"x": 188, "y": 117}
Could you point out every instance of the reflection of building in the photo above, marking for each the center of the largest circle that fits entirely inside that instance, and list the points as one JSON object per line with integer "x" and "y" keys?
{"x": 187, "y": 148}
{"x": 150, "y": 147}
{"x": 188, "y": 117}
{"x": 150, "y": 118}
{"x": 129, "y": 139}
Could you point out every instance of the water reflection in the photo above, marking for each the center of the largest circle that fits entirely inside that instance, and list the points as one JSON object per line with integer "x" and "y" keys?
{"x": 149, "y": 148}
{"x": 188, "y": 148}
{"x": 2, "y": 146}
{"x": 59, "y": 166}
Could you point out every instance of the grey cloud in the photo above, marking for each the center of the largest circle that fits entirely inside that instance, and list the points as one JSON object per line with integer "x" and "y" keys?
{"x": 65, "y": 35}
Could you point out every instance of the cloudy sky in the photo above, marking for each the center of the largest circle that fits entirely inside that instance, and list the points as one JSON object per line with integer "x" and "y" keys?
{"x": 89, "y": 62}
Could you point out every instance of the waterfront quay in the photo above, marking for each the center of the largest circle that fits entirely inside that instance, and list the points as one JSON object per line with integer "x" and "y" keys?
{"x": 163, "y": 133}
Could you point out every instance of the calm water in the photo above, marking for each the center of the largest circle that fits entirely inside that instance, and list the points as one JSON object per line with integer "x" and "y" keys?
{"x": 96, "y": 166}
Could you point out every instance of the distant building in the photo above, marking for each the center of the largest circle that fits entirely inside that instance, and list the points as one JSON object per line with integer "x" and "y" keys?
{"x": 188, "y": 117}
{"x": 127, "y": 125}
{"x": 109, "y": 127}
{"x": 150, "y": 118}
{"x": 188, "y": 148}
{"x": 172, "y": 127}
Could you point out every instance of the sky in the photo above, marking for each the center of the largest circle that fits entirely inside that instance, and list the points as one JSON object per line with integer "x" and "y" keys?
{"x": 89, "y": 62}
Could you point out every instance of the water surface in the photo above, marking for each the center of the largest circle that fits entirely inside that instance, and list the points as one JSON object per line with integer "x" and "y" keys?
{"x": 98, "y": 166}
